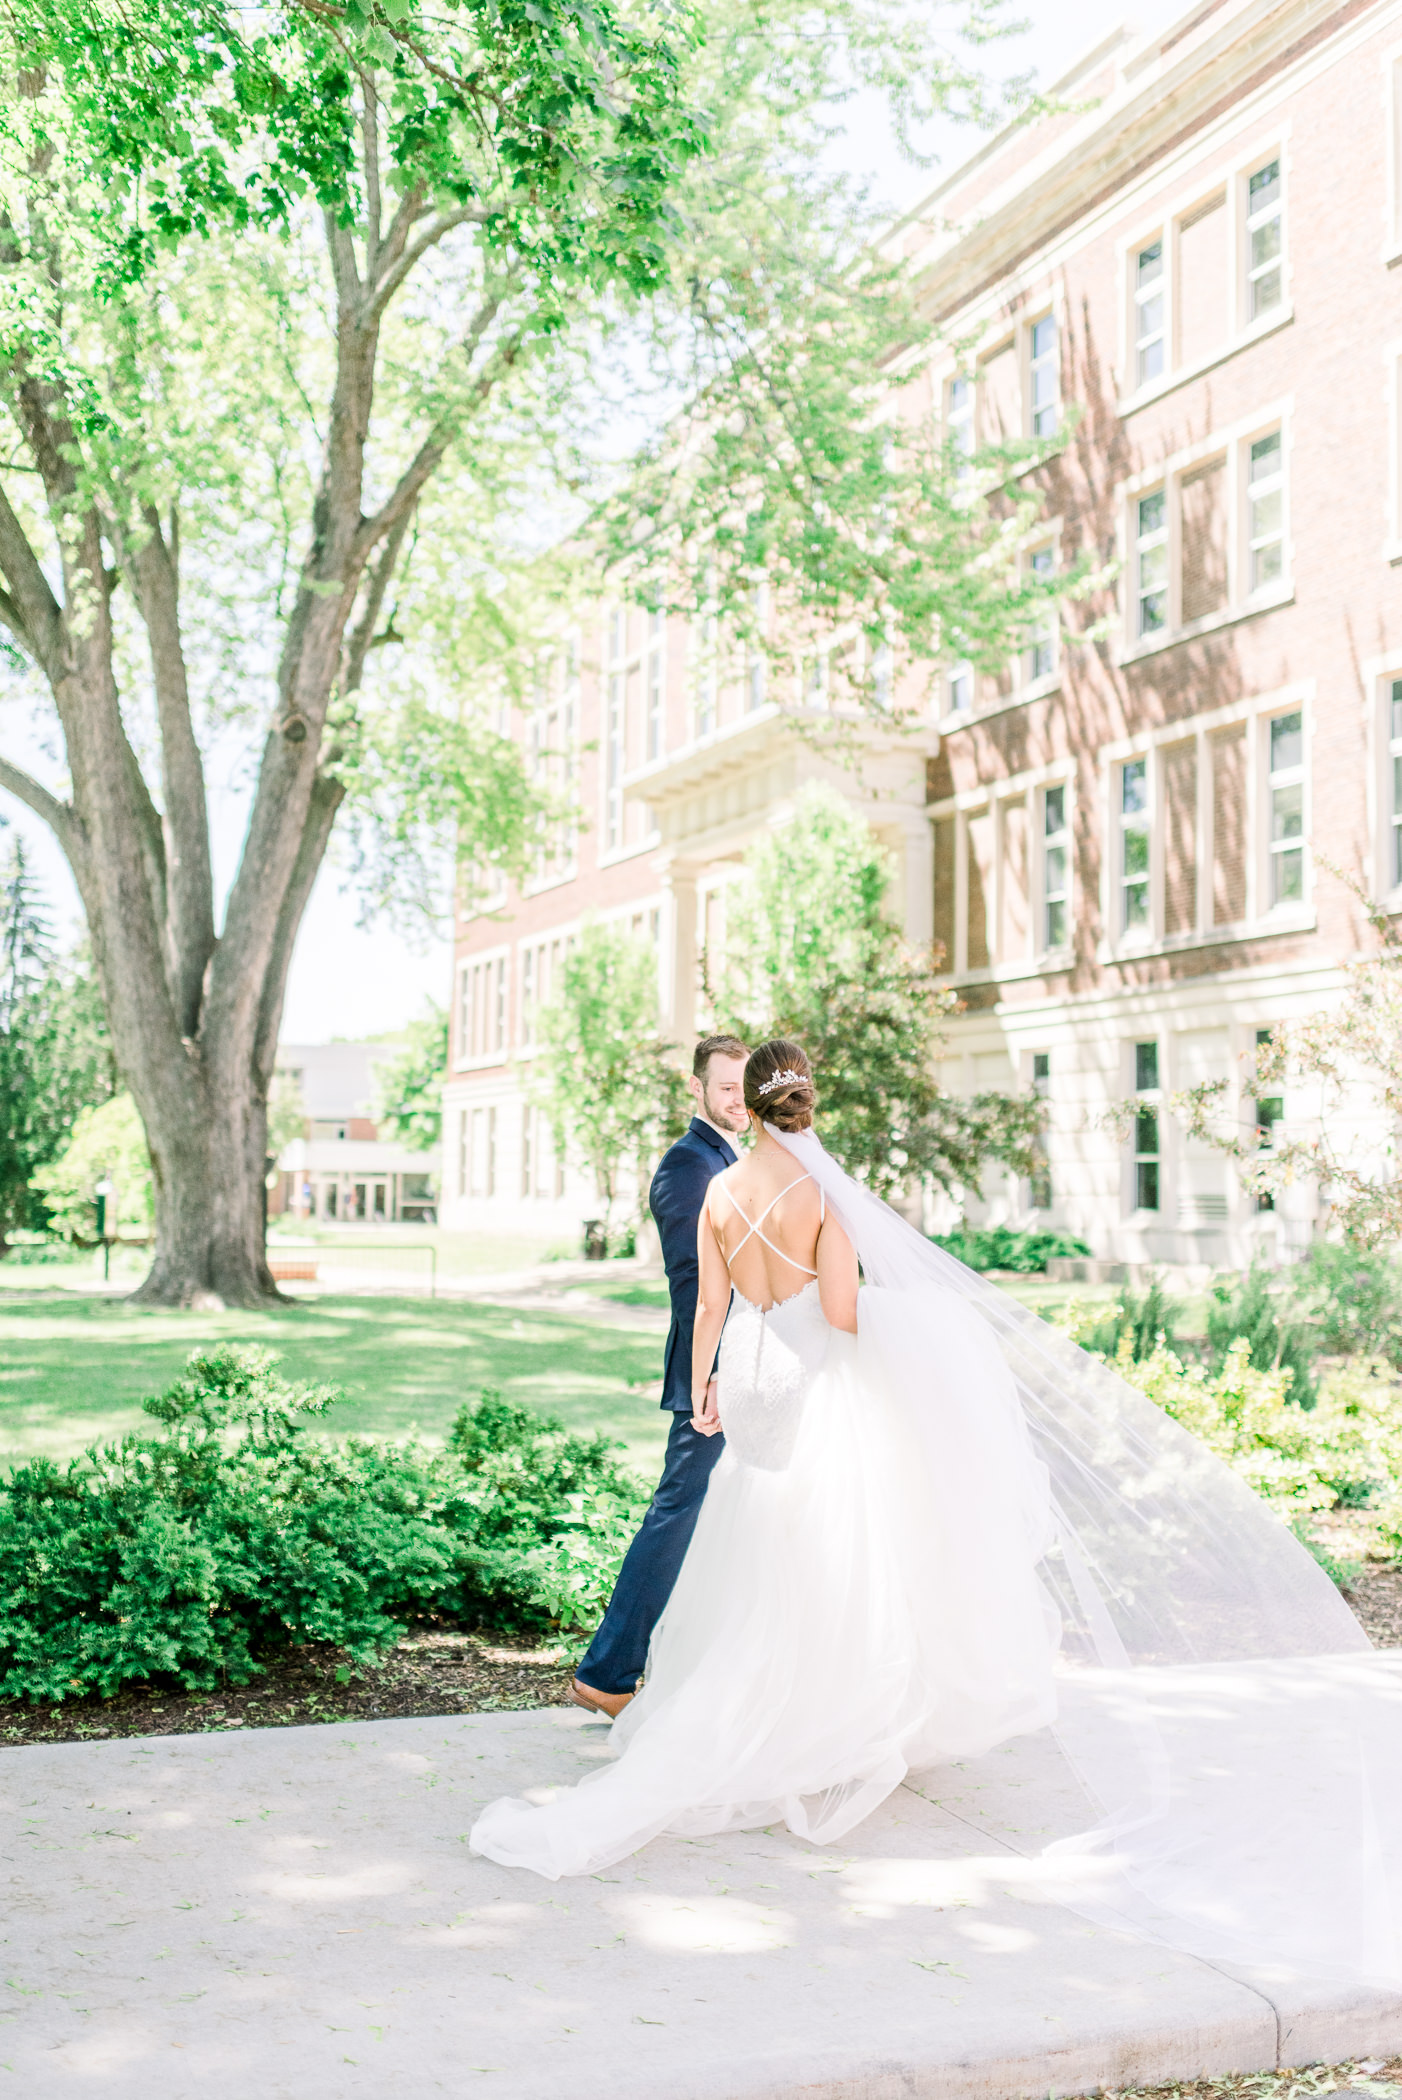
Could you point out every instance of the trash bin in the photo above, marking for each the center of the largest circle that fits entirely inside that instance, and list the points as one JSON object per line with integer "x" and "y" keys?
{"x": 595, "y": 1244}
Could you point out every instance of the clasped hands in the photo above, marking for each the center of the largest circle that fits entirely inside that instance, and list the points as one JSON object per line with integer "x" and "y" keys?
{"x": 704, "y": 1419}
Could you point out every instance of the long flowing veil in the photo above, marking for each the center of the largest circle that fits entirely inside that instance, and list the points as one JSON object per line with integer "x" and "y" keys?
{"x": 1237, "y": 1737}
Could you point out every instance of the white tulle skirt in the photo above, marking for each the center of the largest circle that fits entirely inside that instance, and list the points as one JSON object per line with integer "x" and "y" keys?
{"x": 860, "y": 1597}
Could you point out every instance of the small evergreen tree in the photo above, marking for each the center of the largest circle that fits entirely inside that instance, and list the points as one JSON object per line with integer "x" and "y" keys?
{"x": 55, "y": 1058}
{"x": 605, "y": 1076}
{"x": 812, "y": 953}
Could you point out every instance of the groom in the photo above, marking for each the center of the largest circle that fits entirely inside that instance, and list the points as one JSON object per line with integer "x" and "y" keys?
{"x": 616, "y": 1655}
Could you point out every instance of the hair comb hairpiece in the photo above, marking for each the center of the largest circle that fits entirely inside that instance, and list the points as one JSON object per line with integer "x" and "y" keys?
{"x": 785, "y": 1078}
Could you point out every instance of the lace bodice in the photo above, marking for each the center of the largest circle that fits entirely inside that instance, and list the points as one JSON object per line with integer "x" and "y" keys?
{"x": 768, "y": 1360}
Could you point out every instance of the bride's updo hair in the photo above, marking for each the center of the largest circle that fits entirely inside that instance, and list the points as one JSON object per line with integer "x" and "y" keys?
{"x": 789, "y": 1104}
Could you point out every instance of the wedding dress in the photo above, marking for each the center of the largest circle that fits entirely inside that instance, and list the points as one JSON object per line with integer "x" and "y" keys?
{"x": 954, "y": 1527}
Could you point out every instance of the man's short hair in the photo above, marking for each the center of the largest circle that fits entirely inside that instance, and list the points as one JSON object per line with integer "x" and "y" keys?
{"x": 716, "y": 1046}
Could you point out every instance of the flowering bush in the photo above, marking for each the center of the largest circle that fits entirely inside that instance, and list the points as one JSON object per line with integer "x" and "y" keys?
{"x": 1346, "y": 1450}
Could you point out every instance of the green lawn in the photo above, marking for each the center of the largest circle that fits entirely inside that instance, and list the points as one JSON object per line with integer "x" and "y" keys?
{"x": 73, "y": 1370}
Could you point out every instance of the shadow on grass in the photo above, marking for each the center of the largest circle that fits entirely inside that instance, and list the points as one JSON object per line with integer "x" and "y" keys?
{"x": 73, "y": 1371}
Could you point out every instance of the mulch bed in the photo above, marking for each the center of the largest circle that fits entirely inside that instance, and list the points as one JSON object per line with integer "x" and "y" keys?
{"x": 1372, "y": 2076}
{"x": 436, "y": 1672}
{"x": 433, "y": 1672}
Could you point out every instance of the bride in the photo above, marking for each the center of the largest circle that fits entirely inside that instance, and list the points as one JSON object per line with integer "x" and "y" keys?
{"x": 936, "y": 1525}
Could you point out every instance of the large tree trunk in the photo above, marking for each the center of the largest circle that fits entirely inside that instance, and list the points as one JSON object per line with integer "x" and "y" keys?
{"x": 194, "y": 1015}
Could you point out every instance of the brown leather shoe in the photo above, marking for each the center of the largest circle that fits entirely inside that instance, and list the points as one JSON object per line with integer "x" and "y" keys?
{"x": 609, "y": 1704}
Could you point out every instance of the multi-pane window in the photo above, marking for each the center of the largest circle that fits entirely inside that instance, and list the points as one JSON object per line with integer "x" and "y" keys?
{"x": 1265, "y": 505}
{"x": 1287, "y": 805}
{"x": 482, "y": 1008}
{"x": 1056, "y": 867}
{"x": 1148, "y": 313}
{"x": 528, "y": 996}
{"x": 961, "y": 419}
{"x": 1045, "y": 376}
{"x": 1041, "y": 657}
{"x": 1146, "y": 1126}
{"x": 1269, "y": 1111}
{"x": 755, "y": 667}
{"x": 656, "y": 665}
{"x": 1394, "y": 775}
{"x": 613, "y": 763}
{"x": 961, "y": 688}
{"x": 1264, "y": 228}
{"x": 1134, "y": 844}
{"x": 1151, "y": 562}
{"x": 1041, "y": 1183}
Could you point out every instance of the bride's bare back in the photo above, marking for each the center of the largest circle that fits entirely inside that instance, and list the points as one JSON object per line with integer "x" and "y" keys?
{"x": 765, "y": 1230}
{"x": 767, "y": 1223}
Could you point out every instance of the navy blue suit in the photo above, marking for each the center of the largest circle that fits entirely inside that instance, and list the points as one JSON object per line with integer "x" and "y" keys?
{"x": 616, "y": 1655}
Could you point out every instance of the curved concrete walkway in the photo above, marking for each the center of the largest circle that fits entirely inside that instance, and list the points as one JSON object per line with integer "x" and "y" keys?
{"x": 293, "y": 1914}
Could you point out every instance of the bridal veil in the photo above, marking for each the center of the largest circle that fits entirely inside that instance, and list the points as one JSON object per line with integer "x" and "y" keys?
{"x": 1237, "y": 1737}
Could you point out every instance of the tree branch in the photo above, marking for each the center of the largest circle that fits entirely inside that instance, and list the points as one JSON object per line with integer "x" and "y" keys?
{"x": 370, "y": 146}
{"x": 362, "y": 635}
{"x": 387, "y": 285}
{"x": 189, "y": 924}
{"x": 25, "y": 788}
{"x": 39, "y": 610}
{"x": 406, "y": 492}
{"x": 326, "y": 797}
{"x": 409, "y": 210}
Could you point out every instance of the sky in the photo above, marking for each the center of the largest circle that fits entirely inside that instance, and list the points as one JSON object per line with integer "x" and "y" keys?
{"x": 350, "y": 980}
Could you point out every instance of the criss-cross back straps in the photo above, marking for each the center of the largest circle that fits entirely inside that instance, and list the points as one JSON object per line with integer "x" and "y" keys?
{"x": 753, "y": 1227}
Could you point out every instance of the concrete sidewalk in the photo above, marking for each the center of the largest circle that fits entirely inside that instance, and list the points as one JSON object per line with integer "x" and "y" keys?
{"x": 293, "y": 1914}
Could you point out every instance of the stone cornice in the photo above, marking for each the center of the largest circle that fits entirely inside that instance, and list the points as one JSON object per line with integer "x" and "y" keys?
{"x": 1160, "y": 99}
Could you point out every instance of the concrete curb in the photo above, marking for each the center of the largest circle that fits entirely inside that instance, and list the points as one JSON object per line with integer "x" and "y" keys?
{"x": 294, "y": 1914}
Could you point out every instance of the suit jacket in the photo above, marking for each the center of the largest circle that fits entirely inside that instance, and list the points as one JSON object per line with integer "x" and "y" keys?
{"x": 675, "y": 1199}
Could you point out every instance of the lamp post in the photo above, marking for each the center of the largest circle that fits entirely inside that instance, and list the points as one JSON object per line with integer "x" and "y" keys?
{"x": 103, "y": 1191}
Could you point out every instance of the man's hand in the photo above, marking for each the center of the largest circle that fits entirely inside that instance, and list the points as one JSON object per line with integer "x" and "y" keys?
{"x": 705, "y": 1420}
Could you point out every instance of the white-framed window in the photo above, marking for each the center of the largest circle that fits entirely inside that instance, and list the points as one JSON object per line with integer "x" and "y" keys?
{"x": 1285, "y": 782}
{"x": 481, "y": 1009}
{"x": 1150, "y": 312}
{"x": 482, "y": 1151}
{"x": 1056, "y": 866}
{"x": 1206, "y": 538}
{"x": 1265, "y": 240}
{"x": 756, "y": 667}
{"x": 552, "y": 758}
{"x": 959, "y": 418}
{"x": 615, "y": 728}
{"x": 1003, "y": 877}
{"x": 959, "y": 689}
{"x": 1044, "y": 376}
{"x": 1151, "y": 562}
{"x": 1207, "y": 825}
{"x": 1146, "y": 1164}
{"x": 1265, "y": 510}
{"x": 1132, "y": 860}
{"x": 1041, "y": 655}
{"x": 1039, "y": 1188}
{"x": 1394, "y": 782}
{"x": 656, "y": 674}
{"x": 1208, "y": 276}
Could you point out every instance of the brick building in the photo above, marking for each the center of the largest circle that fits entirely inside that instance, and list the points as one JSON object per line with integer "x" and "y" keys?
{"x": 1189, "y": 277}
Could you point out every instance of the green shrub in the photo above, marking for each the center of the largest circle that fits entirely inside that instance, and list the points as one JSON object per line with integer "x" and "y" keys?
{"x": 1346, "y": 1450}
{"x": 1350, "y": 1300}
{"x": 999, "y": 1247}
{"x": 1139, "y": 1325}
{"x": 1249, "y": 1310}
{"x": 190, "y": 1553}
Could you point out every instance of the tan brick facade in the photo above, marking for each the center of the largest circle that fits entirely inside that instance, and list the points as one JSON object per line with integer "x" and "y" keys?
{"x": 1196, "y": 278}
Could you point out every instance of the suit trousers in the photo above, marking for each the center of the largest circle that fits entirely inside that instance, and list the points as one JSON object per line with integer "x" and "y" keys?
{"x": 615, "y": 1657}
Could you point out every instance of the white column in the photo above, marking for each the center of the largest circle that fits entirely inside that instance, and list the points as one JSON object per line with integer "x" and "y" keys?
{"x": 679, "y": 996}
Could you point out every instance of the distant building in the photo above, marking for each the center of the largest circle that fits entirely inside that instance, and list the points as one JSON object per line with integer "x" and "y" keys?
{"x": 340, "y": 1168}
{"x": 1190, "y": 274}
